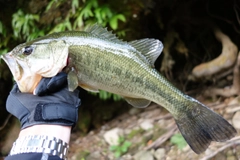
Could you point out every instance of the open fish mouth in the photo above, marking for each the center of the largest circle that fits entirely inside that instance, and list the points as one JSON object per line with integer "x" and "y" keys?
{"x": 22, "y": 73}
{"x": 13, "y": 65}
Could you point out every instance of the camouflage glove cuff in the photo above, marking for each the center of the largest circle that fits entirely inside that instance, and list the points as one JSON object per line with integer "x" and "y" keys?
{"x": 59, "y": 108}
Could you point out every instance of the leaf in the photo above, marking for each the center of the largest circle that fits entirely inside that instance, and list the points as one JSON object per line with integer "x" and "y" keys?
{"x": 121, "y": 139}
{"x": 79, "y": 19}
{"x": 125, "y": 146}
{"x": 24, "y": 24}
{"x": 117, "y": 154}
{"x": 75, "y": 4}
{"x": 114, "y": 20}
{"x": 49, "y": 5}
{"x": 1, "y": 27}
{"x": 113, "y": 148}
{"x": 3, "y": 51}
{"x": 121, "y": 17}
{"x": 178, "y": 140}
{"x": 116, "y": 97}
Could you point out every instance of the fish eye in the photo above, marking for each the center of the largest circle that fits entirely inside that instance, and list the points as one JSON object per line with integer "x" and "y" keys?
{"x": 27, "y": 50}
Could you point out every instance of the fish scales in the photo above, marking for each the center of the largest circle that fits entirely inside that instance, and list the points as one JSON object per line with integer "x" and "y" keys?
{"x": 97, "y": 60}
{"x": 101, "y": 72}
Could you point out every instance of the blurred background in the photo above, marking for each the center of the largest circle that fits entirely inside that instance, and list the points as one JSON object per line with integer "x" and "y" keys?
{"x": 201, "y": 40}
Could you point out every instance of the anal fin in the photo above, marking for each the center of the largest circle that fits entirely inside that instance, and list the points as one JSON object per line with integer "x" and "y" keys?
{"x": 138, "y": 103}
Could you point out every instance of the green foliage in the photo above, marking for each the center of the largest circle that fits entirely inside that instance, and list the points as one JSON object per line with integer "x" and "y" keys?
{"x": 3, "y": 51}
{"x": 121, "y": 148}
{"x": 55, "y": 3}
{"x": 106, "y": 95}
{"x": 25, "y": 26}
{"x": 2, "y": 29}
{"x": 92, "y": 12}
{"x": 178, "y": 140}
{"x": 3, "y": 41}
{"x": 114, "y": 20}
{"x": 135, "y": 132}
{"x": 65, "y": 25}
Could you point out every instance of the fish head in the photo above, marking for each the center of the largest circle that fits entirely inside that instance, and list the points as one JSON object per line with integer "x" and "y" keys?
{"x": 29, "y": 62}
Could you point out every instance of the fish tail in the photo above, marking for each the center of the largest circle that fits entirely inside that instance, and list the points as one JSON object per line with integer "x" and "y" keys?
{"x": 200, "y": 125}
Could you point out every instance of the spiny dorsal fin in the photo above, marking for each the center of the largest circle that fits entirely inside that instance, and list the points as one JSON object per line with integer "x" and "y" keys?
{"x": 103, "y": 33}
{"x": 150, "y": 48}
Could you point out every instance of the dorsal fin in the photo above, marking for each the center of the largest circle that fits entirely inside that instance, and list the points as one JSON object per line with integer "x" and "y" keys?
{"x": 103, "y": 33}
{"x": 150, "y": 48}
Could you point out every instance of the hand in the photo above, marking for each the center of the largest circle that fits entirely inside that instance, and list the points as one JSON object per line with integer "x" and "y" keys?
{"x": 51, "y": 85}
{"x": 56, "y": 105}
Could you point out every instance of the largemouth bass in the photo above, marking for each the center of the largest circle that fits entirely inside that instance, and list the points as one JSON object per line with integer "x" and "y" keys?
{"x": 96, "y": 59}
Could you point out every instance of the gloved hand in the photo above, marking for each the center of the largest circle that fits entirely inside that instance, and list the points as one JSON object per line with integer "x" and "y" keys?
{"x": 51, "y": 104}
{"x": 51, "y": 85}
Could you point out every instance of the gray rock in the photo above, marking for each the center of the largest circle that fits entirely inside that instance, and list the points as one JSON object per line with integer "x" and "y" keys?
{"x": 160, "y": 153}
{"x": 143, "y": 155}
{"x": 146, "y": 124}
{"x": 236, "y": 120}
{"x": 134, "y": 111}
{"x": 112, "y": 136}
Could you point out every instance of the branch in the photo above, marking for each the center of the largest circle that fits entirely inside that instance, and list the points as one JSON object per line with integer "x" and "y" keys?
{"x": 224, "y": 61}
{"x": 163, "y": 138}
{"x": 233, "y": 142}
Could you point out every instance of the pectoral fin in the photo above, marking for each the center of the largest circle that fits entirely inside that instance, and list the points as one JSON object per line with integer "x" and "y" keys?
{"x": 138, "y": 103}
{"x": 72, "y": 80}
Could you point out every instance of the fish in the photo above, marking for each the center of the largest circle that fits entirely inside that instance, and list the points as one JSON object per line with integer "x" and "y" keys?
{"x": 96, "y": 59}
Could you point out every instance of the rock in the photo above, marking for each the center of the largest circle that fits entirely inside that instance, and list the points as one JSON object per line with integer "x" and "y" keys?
{"x": 126, "y": 157}
{"x": 112, "y": 136}
{"x": 159, "y": 154}
{"x": 231, "y": 158}
{"x": 220, "y": 156}
{"x": 146, "y": 124}
{"x": 80, "y": 154}
{"x": 134, "y": 111}
{"x": 143, "y": 155}
{"x": 236, "y": 120}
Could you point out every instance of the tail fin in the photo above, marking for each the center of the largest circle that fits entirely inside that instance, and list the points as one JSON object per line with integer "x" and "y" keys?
{"x": 200, "y": 125}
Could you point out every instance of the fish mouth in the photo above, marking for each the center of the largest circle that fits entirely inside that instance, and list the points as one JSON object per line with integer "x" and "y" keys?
{"x": 13, "y": 65}
{"x": 26, "y": 81}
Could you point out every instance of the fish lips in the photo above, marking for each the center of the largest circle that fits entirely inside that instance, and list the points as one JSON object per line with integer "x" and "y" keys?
{"x": 25, "y": 79}
{"x": 13, "y": 65}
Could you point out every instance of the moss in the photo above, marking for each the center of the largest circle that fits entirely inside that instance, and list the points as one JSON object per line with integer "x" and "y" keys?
{"x": 134, "y": 133}
{"x": 158, "y": 132}
{"x": 82, "y": 154}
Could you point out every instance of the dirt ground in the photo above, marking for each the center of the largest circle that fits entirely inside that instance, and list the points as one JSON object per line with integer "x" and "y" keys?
{"x": 93, "y": 146}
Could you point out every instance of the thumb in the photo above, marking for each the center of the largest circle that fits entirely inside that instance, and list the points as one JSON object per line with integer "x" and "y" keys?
{"x": 51, "y": 85}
